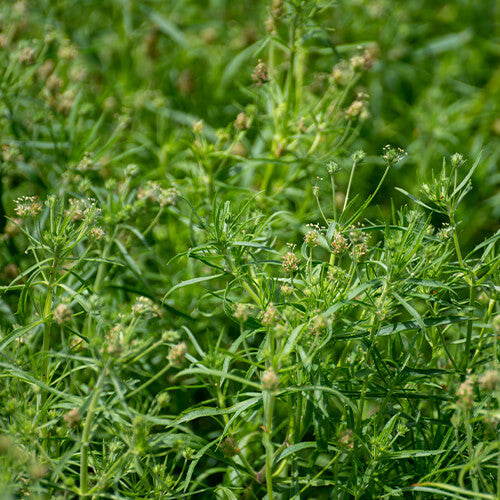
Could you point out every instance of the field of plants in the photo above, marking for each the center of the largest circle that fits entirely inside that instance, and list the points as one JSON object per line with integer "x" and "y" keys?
{"x": 249, "y": 250}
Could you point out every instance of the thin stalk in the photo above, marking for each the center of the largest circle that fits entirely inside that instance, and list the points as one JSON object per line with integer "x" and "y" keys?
{"x": 266, "y": 441}
{"x": 47, "y": 309}
{"x": 455, "y": 239}
{"x": 491, "y": 305}
{"x": 472, "y": 299}
{"x": 149, "y": 381}
{"x": 84, "y": 453}
{"x": 349, "y": 185}
{"x": 244, "y": 284}
{"x": 470, "y": 447}
{"x": 333, "y": 198}
{"x": 102, "y": 266}
{"x": 154, "y": 221}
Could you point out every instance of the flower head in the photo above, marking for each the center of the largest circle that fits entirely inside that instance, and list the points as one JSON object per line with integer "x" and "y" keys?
{"x": 290, "y": 262}
{"x": 28, "y": 206}
{"x": 260, "y": 74}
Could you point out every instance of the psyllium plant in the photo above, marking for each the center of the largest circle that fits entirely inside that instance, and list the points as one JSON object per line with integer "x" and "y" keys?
{"x": 209, "y": 287}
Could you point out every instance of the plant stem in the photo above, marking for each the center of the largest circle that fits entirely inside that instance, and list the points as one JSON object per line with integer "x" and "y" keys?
{"x": 268, "y": 418}
{"x": 84, "y": 453}
{"x": 349, "y": 185}
{"x": 149, "y": 381}
{"x": 102, "y": 265}
{"x": 472, "y": 299}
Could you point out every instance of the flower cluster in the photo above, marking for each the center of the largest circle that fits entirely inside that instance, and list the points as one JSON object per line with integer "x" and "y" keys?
{"x": 144, "y": 306}
{"x": 115, "y": 340}
{"x": 465, "y": 394}
{"x": 393, "y": 155}
{"x": 339, "y": 243}
{"x": 242, "y": 121}
{"x": 83, "y": 210}
{"x": 62, "y": 314}
{"x": 28, "y": 206}
{"x": 311, "y": 238}
{"x": 260, "y": 74}
{"x": 269, "y": 379}
{"x": 157, "y": 194}
{"x": 72, "y": 418}
{"x": 177, "y": 353}
{"x": 242, "y": 312}
{"x": 96, "y": 233}
{"x": 363, "y": 61}
{"x": 290, "y": 262}
{"x": 86, "y": 163}
{"x": 360, "y": 240}
{"x": 270, "y": 316}
{"x": 358, "y": 108}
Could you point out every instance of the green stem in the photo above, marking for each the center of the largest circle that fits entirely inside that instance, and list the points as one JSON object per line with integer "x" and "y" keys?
{"x": 84, "y": 453}
{"x": 47, "y": 310}
{"x": 491, "y": 304}
{"x": 102, "y": 266}
{"x": 333, "y": 198}
{"x": 455, "y": 239}
{"x": 268, "y": 416}
{"x": 472, "y": 299}
{"x": 244, "y": 284}
{"x": 349, "y": 185}
{"x": 149, "y": 381}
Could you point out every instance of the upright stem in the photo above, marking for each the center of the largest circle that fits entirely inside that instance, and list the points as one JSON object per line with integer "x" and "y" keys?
{"x": 349, "y": 185}
{"x": 47, "y": 309}
{"x": 333, "y": 198}
{"x": 84, "y": 452}
{"x": 102, "y": 266}
{"x": 472, "y": 299}
{"x": 268, "y": 416}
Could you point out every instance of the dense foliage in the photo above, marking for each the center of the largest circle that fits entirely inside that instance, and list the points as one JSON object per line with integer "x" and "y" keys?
{"x": 249, "y": 249}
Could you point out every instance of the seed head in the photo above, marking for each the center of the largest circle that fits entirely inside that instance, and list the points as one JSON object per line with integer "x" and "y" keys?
{"x": 198, "y": 127}
{"x": 339, "y": 243}
{"x": 64, "y": 102}
{"x": 27, "y": 56}
{"x": 357, "y": 108}
{"x": 242, "y": 312}
{"x": 72, "y": 418}
{"x": 260, "y": 74}
{"x": 157, "y": 194}
{"x": 96, "y": 233}
{"x": 177, "y": 353}
{"x": 393, "y": 155}
{"x": 347, "y": 438}
{"x": 290, "y": 262}
{"x": 27, "y": 206}
{"x": 144, "y": 306}
{"x": 67, "y": 51}
{"x": 269, "y": 379}
{"x": 62, "y": 314}
{"x": 311, "y": 238}
{"x": 242, "y": 121}
{"x": 270, "y": 316}
{"x": 229, "y": 447}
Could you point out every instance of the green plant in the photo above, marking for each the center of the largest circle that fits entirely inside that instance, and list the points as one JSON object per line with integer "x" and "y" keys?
{"x": 209, "y": 286}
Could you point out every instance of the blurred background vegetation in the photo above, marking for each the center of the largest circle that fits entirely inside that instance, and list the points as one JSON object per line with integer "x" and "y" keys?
{"x": 434, "y": 87}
